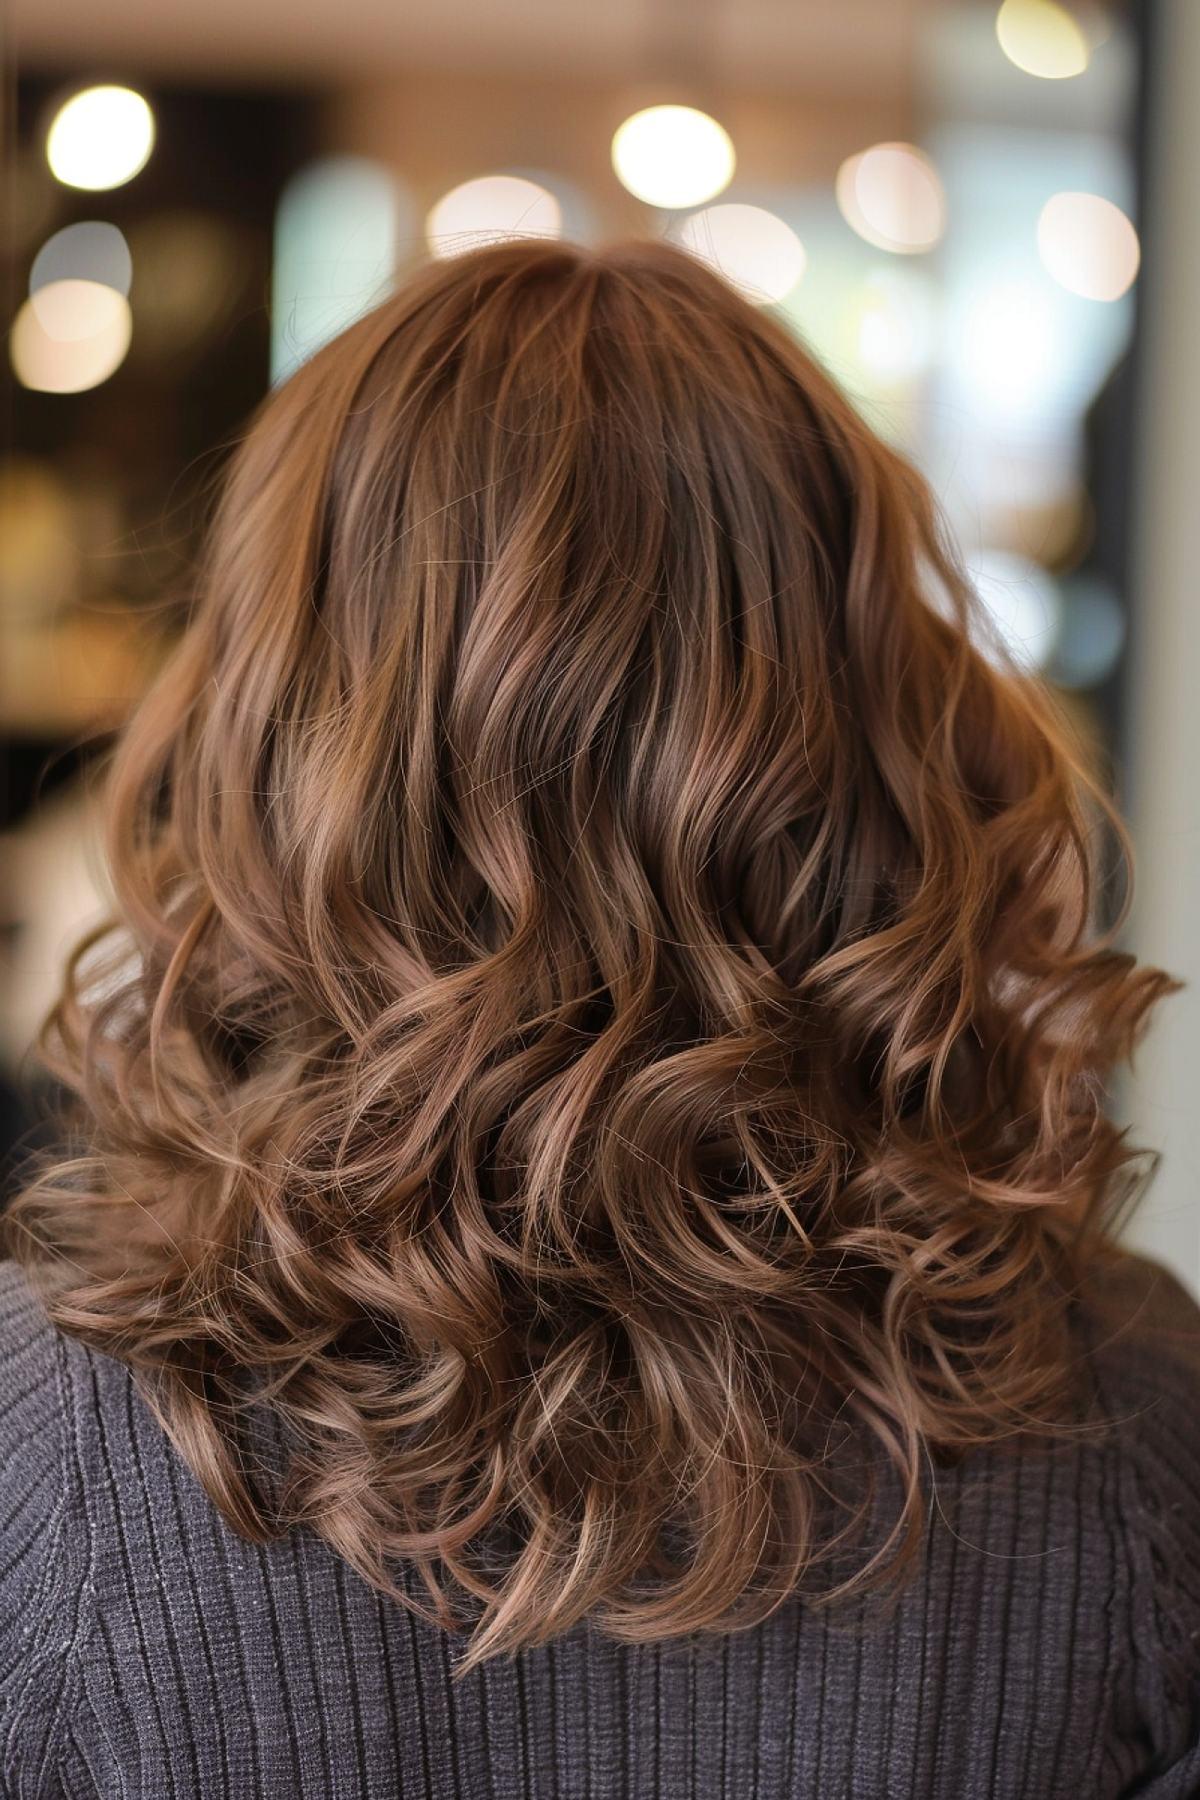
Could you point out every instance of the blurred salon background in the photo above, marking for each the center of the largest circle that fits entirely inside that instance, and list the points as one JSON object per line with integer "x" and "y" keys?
{"x": 982, "y": 217}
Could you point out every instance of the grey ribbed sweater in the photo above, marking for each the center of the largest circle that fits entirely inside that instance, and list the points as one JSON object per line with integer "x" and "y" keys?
{"x": 1050, "y": 1645}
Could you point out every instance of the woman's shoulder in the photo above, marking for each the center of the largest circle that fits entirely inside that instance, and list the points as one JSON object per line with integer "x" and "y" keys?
{"x": 1142, "y": 1338}
{"x": 31, "y": 1402}
{"x": 1141, "y": 1329}
{"x": 54, "y": 1394}
{"x": 38, "y": 1571}
{"x": 1143, "y": 1332}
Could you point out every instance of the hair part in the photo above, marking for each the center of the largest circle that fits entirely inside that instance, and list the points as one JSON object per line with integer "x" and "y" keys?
{"x": 604, "y": 990}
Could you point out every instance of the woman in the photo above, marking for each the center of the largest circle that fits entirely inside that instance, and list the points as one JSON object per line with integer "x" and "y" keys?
{"x": 587, "y": 1267}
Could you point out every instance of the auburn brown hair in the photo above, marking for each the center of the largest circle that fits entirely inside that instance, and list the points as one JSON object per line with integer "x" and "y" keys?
{"x": 605, "y": 989}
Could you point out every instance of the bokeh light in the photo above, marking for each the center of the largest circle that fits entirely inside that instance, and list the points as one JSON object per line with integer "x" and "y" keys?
{"x": 1095, "y": 19}
{"x": 1092, "y": 635}
{"x": 338, "y": 229}
{"x": 892, "y": 196}
{"x": 1041, "y": 38}
{"x": 70, "y": 336}
{"x": 488, "y": 209}
{"x": 1017, "y": 354}
{"x": 673, "y": 156}
{"x": 896, "y": 325}
{"x": 754, "y": 249}
{"x": 70, "y": 310}
{"x": 100, "y": 138}
{"x": 1088, "y": 245}
{"x": 1005, "y": 348}
{"x": 90, "y": 252}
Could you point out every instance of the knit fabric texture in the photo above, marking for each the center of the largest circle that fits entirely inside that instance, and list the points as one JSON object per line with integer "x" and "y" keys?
{"x": 1049, "y": 1644}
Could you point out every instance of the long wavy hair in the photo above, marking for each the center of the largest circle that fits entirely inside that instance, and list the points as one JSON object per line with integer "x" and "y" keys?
{"x": 605, "y": 1003}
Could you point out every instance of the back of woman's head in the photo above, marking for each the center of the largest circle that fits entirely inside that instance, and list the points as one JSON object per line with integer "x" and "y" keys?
{"x": 604, "y": 986}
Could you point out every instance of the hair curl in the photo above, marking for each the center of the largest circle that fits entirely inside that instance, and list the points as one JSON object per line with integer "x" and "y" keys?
{"x": 604, "y": 984}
